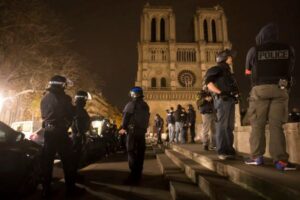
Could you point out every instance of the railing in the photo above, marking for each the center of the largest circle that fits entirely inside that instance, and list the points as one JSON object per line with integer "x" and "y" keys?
{"x": 171, "y": 89}
{"x": 171, "y": 95}
{"x": 159, "y": 53}
{"x": 186, "y": 55}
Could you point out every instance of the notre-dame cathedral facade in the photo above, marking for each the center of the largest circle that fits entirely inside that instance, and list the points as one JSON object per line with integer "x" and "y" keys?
{"x": 171, "y": 72}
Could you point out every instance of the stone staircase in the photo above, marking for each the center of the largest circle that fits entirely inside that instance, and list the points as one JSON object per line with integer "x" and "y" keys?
{"x": 197, "y": 174}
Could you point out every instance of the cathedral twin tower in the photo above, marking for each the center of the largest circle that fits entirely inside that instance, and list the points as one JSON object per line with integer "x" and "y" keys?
{"x": 171, "y": 72}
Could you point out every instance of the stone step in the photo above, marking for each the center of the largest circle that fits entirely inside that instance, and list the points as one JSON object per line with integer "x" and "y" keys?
{"x": 181, "y": 187}
{"x": 157, "y": 149}
{"x": 212, "y": 184}
{"x": 264, "y": 180}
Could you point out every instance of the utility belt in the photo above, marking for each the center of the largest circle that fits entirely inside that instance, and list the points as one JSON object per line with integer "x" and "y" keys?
{"x": 135, "y": 130}
{"x": 226, "y": 97}
{"x": 282, "y": 83}
{"x": 50, "y": 126}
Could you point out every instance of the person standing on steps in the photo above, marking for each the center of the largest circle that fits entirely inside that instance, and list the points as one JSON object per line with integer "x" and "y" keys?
{"x": 134, "y": 124}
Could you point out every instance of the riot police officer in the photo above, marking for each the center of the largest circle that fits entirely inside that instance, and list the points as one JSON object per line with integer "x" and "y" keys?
{"x": 270, "y": 64}
{"x": 135, "y": 123}
{"x": 57, "y": 113}
{"x": 220, "y": 81}
{"x": 81, "y": 124}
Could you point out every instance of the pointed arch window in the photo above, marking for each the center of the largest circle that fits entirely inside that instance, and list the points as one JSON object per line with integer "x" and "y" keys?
{"x": 162, "y": 30}
{"x": 214, "y": 31}
{"x": 153, "y": 30}
{"x": 205, "y": 29}
{"x": 153, "y": 82}
{"x": 163, "y": 82}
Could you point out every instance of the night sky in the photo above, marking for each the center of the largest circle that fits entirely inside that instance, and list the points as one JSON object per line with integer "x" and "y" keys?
{"x": 106, "y": 32}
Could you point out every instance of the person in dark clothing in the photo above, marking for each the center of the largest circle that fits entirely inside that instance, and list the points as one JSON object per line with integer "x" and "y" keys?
{"x": 178, "y": 122}
{"x": 81, "y": 124}
{"x": 159, "y": 124}
{"x": 171, "y": 124}
{"x": 206, "y": 107}
{"x": 191, "y": 118}
{"x": 222, "y": 84}
{"x": 135, "y": 123}
{"x": 184, "y": 120}
{"x": 271, "y": 66}
{"x": 57, "y": 113}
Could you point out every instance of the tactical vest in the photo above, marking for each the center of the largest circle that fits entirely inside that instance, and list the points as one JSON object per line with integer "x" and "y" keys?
{"x": 273, "y": 61}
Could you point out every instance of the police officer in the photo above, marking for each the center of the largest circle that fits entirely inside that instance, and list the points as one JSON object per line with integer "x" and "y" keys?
{"x": 81, "y": 124}
{"x": 206, "y": 108}
{"x": 221, "y": 83}
{"x": 57, "y": 113}
{"x": 135, "y": 123}
{"x": 191, "y": 118}
{"x": 270, "y": 65}
{"x": 184, "y": 120}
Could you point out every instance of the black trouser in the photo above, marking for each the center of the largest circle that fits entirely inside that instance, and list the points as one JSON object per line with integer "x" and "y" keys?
{"x": 159, "y": 130}
{"x": 225, "y": 125}
{"x": 136, "y": 147}
{"x": 77, "y": 149}
{"x": 192, "y": 131}
{"x": 57, "y": 141}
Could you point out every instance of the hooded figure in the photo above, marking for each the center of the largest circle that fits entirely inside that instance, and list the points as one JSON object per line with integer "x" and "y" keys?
{"x": 270, "y": 65}
{"x": 277, "y": 59}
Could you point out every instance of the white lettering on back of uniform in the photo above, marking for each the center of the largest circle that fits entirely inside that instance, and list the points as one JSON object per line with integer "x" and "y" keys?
{"x": 273, "y": 55}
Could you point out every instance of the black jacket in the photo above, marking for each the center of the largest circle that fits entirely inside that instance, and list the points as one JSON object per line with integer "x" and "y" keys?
{"x": 222, "y": 77}
{"x": 159, "y": 123}
{"x": 170, "y": 118}
{"x": 136, "y": 112}
{"x": 178, "y": 115}
{"x": 56, "y": 108}
{"x": 191, "y": 116}
{"x": 268, "y": 36}
{"x": 81, "y": 123}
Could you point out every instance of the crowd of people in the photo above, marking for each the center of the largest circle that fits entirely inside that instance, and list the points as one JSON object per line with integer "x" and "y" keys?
{"x": 178, "y": 122}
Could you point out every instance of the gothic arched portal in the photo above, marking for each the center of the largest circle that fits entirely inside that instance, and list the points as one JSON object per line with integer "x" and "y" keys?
{"x": 205, "y": 29}
{"x": 153, "y": 30}
{"x": 214, "y": 31}
{"x": 153, "y": 82}
{"x": 163, "y": 82}
{"x": 162, "y": 30}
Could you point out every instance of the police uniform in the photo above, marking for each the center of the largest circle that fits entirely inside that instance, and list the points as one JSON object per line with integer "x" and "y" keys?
{"x": 57, "y": 113}
{"x": 224, "y": 105}
{"x": 270, "y": 65}
{"x": 81, "y": 124}
{"x": 191, "y": 116}
{"x": 135, "y": 122}
{"x": 184, "y": 120}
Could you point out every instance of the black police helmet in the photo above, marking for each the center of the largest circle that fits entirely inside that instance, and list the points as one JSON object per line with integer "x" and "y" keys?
{"x": 81, "y": 95}
{"x": 136, "y": 92}
{"x": 223, "y": 55}
{"x": 58, "y": 80}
